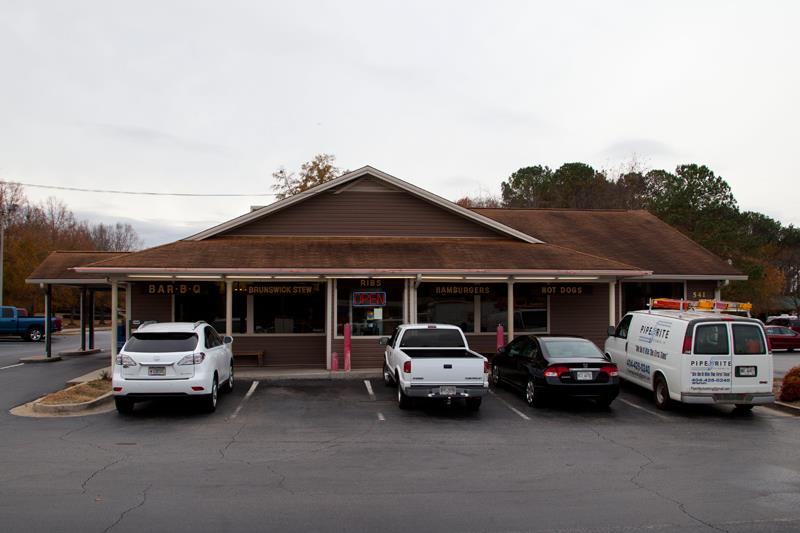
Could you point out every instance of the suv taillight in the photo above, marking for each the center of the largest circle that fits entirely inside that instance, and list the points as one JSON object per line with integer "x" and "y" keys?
{"x": 125, "y": 360}
{"x": 407, "y": 367}
{"x": 193, "y": 359}
{"x": 555, "y": 371}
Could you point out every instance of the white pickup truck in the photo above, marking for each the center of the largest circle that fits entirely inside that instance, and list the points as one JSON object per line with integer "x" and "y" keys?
{"x": 434, "y": 361}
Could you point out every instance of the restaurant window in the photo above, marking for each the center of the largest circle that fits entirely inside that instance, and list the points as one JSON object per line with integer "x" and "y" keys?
{"x": 373, "y": 307}
{"x": 288, "y": 307}
{"x": 206, "y": 301}
{"x": 530, "y": 308}
{"x": 494, "y": 306}
{"x": 448, "y": 304}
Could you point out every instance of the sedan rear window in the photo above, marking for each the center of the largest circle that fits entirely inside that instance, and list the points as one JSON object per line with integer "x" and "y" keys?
{"x": 432, "y": 338}
{"x": 561, "y": 348}
{"x": 161, "y": 342}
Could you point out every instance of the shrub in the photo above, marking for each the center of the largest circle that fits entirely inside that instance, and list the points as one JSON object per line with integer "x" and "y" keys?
{"x": 790, "y": 389}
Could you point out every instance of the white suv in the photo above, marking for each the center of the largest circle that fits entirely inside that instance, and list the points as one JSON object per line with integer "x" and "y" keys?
{"x": 173, "y": 359}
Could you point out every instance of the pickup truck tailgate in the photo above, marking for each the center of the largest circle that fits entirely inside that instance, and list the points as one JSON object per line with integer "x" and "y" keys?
{"x": 442, "y": 366}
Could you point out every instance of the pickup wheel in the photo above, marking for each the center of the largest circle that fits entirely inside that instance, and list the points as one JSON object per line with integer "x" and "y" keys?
{"x": 473, "y": 404}
{"x": 34, "y": 334}
{"x": 403, "y": 401}
{"x": 387, "y": 376}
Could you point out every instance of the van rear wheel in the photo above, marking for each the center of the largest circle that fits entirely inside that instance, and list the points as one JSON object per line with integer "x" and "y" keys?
{"x": 661, "y": 393}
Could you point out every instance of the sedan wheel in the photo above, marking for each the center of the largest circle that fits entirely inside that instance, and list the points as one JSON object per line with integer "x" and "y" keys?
{"x": 532, "y": 396}
{"x": 495, "y": 375}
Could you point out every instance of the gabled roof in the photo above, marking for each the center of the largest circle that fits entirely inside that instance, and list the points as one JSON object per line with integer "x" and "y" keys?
{"x": 58, "y": 267}
{"x": 351, "y": 176}
{"x": 359, "y": 255}
{"x": 635, "y": 237}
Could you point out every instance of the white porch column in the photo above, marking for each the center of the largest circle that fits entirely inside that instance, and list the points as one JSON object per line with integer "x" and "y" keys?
{"x": 114, "y": 320}
{"x": 329, "y": 325}
{"x": 510, "y": 320}
{"x": 228, "y": 307}
{"x": 612, "y": 303}
{"x": 128, "y": 309}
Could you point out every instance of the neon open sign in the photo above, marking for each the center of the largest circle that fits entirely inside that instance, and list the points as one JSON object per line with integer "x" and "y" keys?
{"x": 369, "y": 299}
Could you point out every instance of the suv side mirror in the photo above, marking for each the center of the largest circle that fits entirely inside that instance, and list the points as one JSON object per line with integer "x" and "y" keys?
{"x": 612, "y": 331}
{"x": 227, "y": 339}
{"x": 383, "y": 341}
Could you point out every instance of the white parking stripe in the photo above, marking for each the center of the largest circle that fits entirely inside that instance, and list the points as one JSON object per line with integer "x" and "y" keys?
{"x": 368, "y": 385}
{"x": 517, "y": 411}
{"x": 246, "y": 397}
{"x": 11, "y": 366}
{"x": 381, "y": 417}
{"x": 626, "y": 402}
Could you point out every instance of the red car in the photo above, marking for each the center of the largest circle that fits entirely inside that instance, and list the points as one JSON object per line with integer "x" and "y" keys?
{"x": 787, "y": 322}
{"x": 783, "y": 338}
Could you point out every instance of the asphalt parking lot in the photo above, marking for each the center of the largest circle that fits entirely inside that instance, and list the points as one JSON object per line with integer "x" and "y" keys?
{"x": 328, "y": 455}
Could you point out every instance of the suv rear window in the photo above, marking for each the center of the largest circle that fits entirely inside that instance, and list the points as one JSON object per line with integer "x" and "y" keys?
{"x": 432, "y": 338}
{"x": 161, "y": 342}
{"x": 711, "y": 340}
{"x": 747, "y": 339}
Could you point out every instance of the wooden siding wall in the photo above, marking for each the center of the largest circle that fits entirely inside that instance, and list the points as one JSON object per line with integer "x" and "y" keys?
{"x": 483, "y": 344}
{"x": 364, "y": 353}
{"x": 363, "y": 214}
{"x": 290, "y": 351}
{"x": 696, "y": 290}
{"x": 585, "y": 315}
{"x": 150, "y": 306}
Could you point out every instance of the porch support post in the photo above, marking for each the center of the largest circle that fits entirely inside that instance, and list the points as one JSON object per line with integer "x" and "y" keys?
{"x": 228, "y": 307}
{"x": 48, "y": 320}
{"x": 612, "y": 303}
{"x": 510, "y": 319}
{"x": 128, "y": 309}
{"x": 91, "y": 319}
{"x": 83, "y": 319}
{"x": 114, "y": 320}
{"x": 329, "y": 326}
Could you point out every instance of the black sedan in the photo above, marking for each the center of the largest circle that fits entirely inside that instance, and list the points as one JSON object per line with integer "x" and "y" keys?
{"x": 545, "y": 366}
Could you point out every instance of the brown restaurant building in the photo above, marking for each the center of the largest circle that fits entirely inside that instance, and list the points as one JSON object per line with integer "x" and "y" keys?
{"x": 374, "y": 251}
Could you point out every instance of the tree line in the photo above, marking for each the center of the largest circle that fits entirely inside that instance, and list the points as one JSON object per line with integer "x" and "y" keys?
{"x": 33, "y": 230}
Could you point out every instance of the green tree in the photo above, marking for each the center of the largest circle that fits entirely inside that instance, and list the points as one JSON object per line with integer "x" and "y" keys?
{"x": 312, "y": 173}
{"x": 526, "y": 187}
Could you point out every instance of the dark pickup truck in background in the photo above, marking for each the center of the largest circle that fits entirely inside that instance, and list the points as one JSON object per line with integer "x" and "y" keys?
{"x": 15, "y": 322}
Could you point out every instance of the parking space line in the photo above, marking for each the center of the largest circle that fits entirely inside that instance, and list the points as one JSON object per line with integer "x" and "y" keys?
{"x": 368, "y": 385}
{"x": 11, "y": 366}
{"x": 626, "y": 402}
{"x": 246, "y": 397}
{"x": 381, "y": 417}
{"x": 517, "y": 411}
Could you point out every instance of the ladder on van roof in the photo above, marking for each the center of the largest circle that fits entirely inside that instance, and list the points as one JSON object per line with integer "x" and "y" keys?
{"x": 712, "y": 306}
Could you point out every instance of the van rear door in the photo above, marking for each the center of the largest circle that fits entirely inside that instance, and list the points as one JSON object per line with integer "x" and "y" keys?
{"x": 710, "y": 364}
{"x": 752, "y": 363}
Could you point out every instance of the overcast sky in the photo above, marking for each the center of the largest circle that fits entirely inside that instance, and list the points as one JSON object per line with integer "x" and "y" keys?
{"x": 452, "y": 96}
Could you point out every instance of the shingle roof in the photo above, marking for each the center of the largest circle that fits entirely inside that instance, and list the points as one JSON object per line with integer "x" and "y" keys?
{"x": 633, "y": 237}
{"x": 362, "y": 254}
{"x": 58, "y": 265}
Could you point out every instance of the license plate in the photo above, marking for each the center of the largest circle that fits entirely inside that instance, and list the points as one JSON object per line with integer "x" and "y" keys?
{"x": 157, "y": 371}
{"x": 583, "y": 376}
{"x": 746, "y": 371}
{"x": 447, "y": 391}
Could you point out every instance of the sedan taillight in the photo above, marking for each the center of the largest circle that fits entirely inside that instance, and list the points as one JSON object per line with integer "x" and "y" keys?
{"x": 611, "y": 370}
{"x": 556, "y": 371}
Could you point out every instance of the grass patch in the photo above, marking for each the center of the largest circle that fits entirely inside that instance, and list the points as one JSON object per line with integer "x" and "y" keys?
{"x": 79, "y": 393}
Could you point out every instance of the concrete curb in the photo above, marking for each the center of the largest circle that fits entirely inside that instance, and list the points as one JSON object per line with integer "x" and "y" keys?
{"x": 261, "y": 374}
{"x": 785, "y": 407}
{"x": 80, "y": 352}
{"x": 71, "y": 407}
{"x": 90, "y": 376}
{"x": 40, "y": 359}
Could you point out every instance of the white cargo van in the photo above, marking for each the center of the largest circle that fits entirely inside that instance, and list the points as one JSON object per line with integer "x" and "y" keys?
{"x": 690, "y": 352}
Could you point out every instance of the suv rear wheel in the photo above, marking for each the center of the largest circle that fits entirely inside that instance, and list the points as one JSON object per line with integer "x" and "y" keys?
{"x": 124, "y": 405}
{"x": 209, "y": 401}
{"x": 228, "y": 386}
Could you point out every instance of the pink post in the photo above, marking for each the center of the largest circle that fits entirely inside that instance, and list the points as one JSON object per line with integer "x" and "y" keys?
{"x": 501, "y": 336}
{"x": 347, "y": 347}
{"x": 334, "y": 361}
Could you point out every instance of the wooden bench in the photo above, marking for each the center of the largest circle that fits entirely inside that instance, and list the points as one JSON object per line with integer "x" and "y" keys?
{"x": 248, "y": 358}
